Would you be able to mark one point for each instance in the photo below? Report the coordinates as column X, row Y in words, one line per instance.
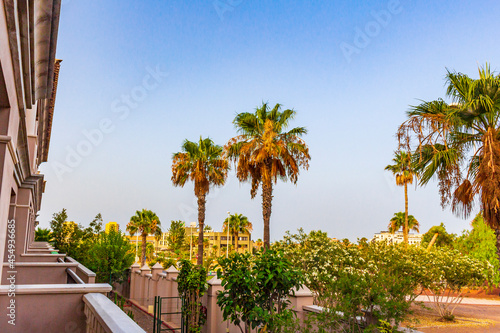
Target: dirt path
column 491, row 312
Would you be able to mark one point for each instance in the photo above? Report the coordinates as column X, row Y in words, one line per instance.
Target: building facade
column 397, row 237
column 111, row 226
column 41, row 290
column 215, row 241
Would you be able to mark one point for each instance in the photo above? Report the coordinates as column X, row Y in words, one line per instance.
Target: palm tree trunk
column 405, row 226
column 236, row 241
column 267, row 197
column 143, row 254
column 201, row 223
column 497, row 234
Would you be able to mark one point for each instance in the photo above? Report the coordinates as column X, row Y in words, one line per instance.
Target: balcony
column 50, row 292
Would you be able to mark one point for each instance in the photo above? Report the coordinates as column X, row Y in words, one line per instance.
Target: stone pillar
column 155, row 281
column 172, row 273
column 145, row 270
column 171, row 291
column 215, row 322
column 302, row 297
column 133, row 280
column 22, row 217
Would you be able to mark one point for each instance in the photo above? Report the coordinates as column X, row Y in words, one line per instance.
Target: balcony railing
column 103, row 316
column 56, row 292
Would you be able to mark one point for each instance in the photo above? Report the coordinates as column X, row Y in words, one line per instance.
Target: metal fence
column 167, row 315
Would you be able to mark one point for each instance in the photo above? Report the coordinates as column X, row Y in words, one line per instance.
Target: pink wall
column 164, row 283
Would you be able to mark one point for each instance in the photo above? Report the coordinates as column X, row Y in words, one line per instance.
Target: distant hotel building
column 397, row 237
column 217, row 241
column 111, row 226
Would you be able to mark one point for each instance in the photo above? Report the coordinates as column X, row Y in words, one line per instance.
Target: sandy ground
column 469, row 316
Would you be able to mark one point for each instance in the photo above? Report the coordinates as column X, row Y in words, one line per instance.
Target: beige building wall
column 397, row 237
column 217, row 241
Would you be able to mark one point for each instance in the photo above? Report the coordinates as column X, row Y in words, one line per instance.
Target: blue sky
column 137, row 78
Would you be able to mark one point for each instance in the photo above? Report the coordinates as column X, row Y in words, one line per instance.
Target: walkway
column 465, row 301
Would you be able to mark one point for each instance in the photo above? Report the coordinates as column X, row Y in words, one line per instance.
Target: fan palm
column 144, row 222
column 43, row 235
column 203, row 164
column 398, row 221
column 238, row 223
column 264, row 152
column 403, row 170
column 459, row 142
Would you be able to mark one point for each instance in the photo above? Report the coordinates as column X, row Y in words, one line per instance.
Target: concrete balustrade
column 32, row 257
column 38, row 307
column 103, row 316
column 32, row 272
column 146, row 283
column 145, row 274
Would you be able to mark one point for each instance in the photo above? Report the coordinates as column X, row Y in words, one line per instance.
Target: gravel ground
column 489, row 312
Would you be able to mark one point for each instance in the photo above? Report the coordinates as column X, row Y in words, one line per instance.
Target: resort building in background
column 111, row 226
column 40, row 289
column 397, row 237
column 216, row 240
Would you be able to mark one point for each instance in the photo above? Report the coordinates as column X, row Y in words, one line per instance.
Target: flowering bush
column 361, row 285
column 448, row 272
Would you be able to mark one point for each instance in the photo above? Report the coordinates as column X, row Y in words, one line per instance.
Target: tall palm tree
column 404, row 171
column 238, row 223
column 144, row 222
column 460, row 143
column 398, row 221
column 203, row 164
column 264, row 152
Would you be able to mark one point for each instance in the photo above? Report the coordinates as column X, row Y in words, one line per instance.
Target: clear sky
column 139, row 77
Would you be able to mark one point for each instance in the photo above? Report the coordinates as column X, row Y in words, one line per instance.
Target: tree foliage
column 192, row 285
column 459, row 142
column 256, row 289
column 404, row 171
column 176, row 235
column 110, row 256
column 375, row 281
column 237, row 223
column 264, row 152
column 398, row 221
column 202, row 163
column 444, row 239
column 479, row 243
column 145, row 222
column 43, row 235
column 72, row 238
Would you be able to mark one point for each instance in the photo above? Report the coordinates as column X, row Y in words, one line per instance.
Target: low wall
column 47, row 308
column 146, row 283
column 103, row 316
column 39, row 272
column 83, row 272
column 30, row 257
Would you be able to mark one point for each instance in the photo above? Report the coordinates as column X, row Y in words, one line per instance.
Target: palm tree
column 238, row 223
column 203, row 164
column 43, row 235
column 145, row 223
column 258, row 244
column 460, row 143
column 398, row 221
column 264, row 152
column 403, row 169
